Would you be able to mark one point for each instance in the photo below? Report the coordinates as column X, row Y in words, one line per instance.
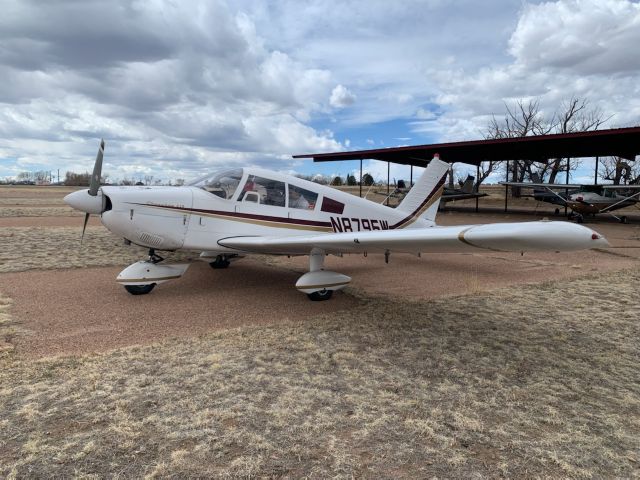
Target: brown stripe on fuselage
column 264, row 220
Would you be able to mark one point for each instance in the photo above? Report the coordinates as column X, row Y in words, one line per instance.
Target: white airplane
column 240, row 211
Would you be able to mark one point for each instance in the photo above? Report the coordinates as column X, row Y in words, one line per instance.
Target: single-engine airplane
column 465, row 192
column 240, row 211
column 449, row 193
column 584, row 199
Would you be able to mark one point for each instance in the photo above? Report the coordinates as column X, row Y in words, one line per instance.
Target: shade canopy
column 622, row 142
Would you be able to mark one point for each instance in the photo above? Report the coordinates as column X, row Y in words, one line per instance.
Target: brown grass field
column 490, row 377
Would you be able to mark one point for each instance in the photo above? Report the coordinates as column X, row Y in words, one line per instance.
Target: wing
column 461, row 196
column 552, row 186
column 620, row 187
column 519, row 237
column 563, row 186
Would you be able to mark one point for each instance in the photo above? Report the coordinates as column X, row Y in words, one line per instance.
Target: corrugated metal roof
column 622, row 142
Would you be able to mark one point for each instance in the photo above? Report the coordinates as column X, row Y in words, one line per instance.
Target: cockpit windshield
column 223, row 184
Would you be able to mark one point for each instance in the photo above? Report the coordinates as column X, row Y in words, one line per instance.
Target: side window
column 302, row 198
column 263, row 190
column 332, row 206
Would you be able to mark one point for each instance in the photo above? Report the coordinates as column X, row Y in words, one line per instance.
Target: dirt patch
column 85, row 310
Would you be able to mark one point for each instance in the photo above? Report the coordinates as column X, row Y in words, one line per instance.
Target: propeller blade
column 94, row 185
column 84, row 227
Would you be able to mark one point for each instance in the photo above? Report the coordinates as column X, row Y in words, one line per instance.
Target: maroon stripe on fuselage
column 266, row 218
column 426, row 200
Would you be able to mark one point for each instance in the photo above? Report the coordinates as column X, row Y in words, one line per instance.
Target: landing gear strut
column 142, row 277
column 318, row 283
column 154, row 257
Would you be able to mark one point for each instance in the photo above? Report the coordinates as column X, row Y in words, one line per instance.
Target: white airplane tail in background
column 423, row 199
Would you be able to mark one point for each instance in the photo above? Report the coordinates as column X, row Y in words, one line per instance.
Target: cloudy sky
column 179, row 88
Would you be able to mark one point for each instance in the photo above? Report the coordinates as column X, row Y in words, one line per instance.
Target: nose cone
column 81, row 200
column 571, row 236
column 598, row 241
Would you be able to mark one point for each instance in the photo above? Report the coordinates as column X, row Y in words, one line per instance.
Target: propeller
column 94, row 183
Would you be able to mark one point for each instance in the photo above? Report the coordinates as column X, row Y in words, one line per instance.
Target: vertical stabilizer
column 423, row 199
column 467, row 186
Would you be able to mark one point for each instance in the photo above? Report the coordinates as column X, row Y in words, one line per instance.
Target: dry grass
column 529, row 382
column 25, row 248
column 40, row 211
column 8, row 329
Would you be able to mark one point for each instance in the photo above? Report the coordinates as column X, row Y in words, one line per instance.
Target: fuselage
column 261, row 203
column 592, row 202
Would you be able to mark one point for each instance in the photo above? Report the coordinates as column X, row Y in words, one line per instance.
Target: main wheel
column 139, row 289
column 321, row 295
column 220, row 262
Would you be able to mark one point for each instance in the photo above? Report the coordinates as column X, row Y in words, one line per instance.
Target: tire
column 139, row 289
column 220, row 262
column 557, row 211
column 320, row 296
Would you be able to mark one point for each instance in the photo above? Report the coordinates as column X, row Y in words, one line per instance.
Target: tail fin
column 467, row 186
column 423, row 199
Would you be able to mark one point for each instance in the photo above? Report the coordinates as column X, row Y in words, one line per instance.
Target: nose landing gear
column 141, row 277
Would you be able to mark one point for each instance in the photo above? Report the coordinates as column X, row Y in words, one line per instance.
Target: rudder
column 423, row 199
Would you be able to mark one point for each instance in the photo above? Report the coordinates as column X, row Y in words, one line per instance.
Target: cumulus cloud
column 341, row 97
column 558, row 50
column 187, row 86
column 186, row 79
column 584, row 37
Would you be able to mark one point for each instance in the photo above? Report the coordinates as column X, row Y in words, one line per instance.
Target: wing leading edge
column 504, row 237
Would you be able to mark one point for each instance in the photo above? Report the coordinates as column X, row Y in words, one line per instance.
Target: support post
column 477, row 190
column 411, row 178
column 506, row 188
column 388, row 180
column 566, row 191
column 595, row 180
column 360, row 178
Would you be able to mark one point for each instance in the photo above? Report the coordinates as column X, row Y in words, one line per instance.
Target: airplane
column 238, row 211
column 584, row 199
column 449, row 193
column 465, row 191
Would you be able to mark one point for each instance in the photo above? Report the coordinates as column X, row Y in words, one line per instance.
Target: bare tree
column 619, row 171
column 574, row 116
column 77, row 179
column 526, row 119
